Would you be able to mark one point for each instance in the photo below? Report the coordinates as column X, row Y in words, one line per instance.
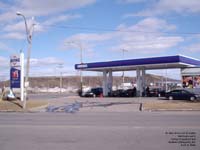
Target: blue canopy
column 166, row 62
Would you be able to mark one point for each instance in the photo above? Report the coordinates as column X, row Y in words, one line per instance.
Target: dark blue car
column 94, row 92
column 181, row 94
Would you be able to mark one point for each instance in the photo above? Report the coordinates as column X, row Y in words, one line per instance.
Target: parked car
column 129, row 93
column 94, row 92
column 181, row 94
column 116, row 93
column 123, row 93
column 81, row 92
column 156, row 92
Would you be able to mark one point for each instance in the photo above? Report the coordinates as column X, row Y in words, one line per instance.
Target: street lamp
column 81, row 60
column 60, row 66
column 29, row 39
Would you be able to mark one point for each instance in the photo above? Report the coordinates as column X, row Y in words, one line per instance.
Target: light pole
column 81, row 60
column 166, row 86
column 29, row 39
column 60, row 66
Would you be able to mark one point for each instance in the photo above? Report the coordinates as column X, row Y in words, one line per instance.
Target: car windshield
column 96, row 90
column 176, row 91
column 186, row 92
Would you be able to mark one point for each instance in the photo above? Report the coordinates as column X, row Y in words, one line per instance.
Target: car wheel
column 159, row 95
column 94, row 95
column 192, row 98
column 171, row 98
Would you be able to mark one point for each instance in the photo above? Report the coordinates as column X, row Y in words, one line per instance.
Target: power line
column 118, row 30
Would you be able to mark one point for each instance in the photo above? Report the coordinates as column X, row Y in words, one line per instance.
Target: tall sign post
column 17, row 73
column 29, row 33
column 22, row 76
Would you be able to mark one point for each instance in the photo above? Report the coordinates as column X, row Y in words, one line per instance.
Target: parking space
column 108, row 104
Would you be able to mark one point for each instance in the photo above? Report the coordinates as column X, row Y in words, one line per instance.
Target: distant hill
column 92, row 81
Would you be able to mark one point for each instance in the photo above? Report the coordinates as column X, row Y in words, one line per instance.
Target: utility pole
column 60, row 66
column 29, row 33
column 166, row 86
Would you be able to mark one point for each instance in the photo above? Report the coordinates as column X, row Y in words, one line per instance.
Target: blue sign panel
column 15, row 77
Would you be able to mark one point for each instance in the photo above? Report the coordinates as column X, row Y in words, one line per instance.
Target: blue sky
column 144, row 28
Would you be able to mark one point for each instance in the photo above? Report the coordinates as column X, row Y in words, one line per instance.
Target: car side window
column 185, row 92
column 175, row 92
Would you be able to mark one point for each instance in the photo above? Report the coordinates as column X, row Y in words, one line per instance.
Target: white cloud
column 145, row 37
column 4, row 47
column 39, row 67
column 17, row 30
column 149, row 24
column 50, row 66
column 86, row 41
column 149, row 44
column 20, row 26
column 192, row 6
column 60, row 18
column 41, row 27
column 4, row 6
column 4, row 62
column 194, row 48
column 169, row 73
column 40, row 7
column 51, row 9
column 45, row 61
column 90, row 37
column 167, row 6
column 131, row 1
column 4, row 68
column 7, row 16
column 53, row 71
column 14, row 35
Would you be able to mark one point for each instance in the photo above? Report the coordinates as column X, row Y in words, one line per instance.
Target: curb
column 170, row 109
column 36, row 109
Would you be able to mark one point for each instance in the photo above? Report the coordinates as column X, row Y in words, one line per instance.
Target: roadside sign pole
column 22, row 76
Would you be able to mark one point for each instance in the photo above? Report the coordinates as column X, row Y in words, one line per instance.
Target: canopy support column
column 105, row 83
column 138, row 82
column 143, row 82
column 110, row 81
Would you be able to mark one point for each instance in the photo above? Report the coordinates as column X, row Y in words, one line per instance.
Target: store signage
column 15, row 71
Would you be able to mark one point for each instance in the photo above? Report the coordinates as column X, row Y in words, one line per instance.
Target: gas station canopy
column 166, row 62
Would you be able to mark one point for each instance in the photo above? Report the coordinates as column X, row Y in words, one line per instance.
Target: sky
column 102, row 28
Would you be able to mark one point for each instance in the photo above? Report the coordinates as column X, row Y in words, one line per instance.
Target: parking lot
column 120, row 104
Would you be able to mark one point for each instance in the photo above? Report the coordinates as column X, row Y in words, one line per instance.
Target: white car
column 9, row 95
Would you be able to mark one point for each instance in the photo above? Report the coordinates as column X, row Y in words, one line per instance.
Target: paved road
column 100, row 131
column 50, row 96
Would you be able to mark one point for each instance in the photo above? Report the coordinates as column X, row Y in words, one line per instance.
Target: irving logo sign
column 15, row 61
column 15, row 71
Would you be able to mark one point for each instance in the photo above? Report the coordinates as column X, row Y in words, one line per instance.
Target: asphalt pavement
column 50, row 96
column 105, row 130
column 102, row 123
